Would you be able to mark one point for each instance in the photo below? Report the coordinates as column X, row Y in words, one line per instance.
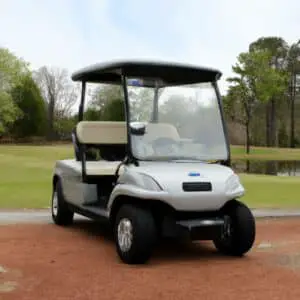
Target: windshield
column 175, row 122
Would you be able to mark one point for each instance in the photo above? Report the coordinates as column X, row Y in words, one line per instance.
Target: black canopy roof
column 168, row 72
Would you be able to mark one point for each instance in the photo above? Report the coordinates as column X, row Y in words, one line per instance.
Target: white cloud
column 194, row 31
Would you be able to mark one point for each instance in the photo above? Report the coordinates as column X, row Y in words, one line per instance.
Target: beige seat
column 98, row 168
column 115, row 133
column 158, row 130
column 101, row 133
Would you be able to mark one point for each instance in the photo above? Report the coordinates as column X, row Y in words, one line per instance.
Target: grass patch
column 265, row 191
column 26, row 174
column 263, row 153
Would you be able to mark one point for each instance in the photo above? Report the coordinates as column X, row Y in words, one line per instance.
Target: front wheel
column 135, row 234
column 238, row 233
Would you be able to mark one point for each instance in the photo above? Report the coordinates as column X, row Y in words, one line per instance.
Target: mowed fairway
column 265, row 191
column 264, row 153
column 26, row 173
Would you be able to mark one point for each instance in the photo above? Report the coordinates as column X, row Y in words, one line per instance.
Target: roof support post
column 130, row 157
column 82, row 100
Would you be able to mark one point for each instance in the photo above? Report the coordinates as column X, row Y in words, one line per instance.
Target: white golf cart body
column 186, row 189
column 161, row 181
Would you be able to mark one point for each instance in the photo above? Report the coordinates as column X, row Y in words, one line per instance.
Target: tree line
column 33, row 103
column 263, row 94
column 261, row 104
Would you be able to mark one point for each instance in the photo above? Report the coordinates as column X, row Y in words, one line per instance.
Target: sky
column 74, row 33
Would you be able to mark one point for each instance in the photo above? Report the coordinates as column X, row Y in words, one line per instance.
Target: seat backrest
column 101, row 133
column 157, row 130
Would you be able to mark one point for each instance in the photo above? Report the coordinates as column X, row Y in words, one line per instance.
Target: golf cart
column 164, row 171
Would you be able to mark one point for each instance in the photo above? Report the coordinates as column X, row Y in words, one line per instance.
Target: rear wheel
column 61, row 214
column 135, row 234
column 238, row 233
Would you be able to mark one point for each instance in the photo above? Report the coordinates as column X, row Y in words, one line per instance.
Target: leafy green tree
column 107, row 104
column 64, row 126
column 256, row 82
column 27, row 96
column 293, row 65
column 9, row 112
column 12, row 69
column 141, row 103
column 92, row 114
column 113, row 110
column 239, row 105
column 175, row 111
column 105, row 93
column 277, row 48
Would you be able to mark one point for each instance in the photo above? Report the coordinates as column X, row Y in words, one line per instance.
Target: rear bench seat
column 96, row 133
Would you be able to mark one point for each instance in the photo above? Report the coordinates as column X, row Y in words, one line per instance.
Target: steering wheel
column 164, row 144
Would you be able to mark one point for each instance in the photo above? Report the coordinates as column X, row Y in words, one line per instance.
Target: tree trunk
column 248, row 166
column 292, row 129
column 273, row 123
column 268, row 130
column 248, row 137
column 51, row 120
column 271, row 168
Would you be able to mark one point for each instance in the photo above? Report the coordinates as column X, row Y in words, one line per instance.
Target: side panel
column 75, row 191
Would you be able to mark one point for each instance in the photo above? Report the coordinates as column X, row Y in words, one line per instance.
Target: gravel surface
column 43, row 215
column 44, row 261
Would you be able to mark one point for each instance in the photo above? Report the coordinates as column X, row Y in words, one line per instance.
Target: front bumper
column 193, row 229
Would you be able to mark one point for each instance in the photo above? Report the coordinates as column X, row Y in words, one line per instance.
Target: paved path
column 27, row 216
column 43, row 216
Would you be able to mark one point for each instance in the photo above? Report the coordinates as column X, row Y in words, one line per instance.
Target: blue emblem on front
column 194, row 174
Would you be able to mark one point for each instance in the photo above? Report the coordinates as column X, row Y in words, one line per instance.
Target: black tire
column 63, row 216
column 144, row 235
column 243, row 231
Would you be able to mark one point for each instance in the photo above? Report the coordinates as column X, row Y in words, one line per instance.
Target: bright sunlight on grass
column 26, row 173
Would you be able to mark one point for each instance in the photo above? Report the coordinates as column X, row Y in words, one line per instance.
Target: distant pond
column 276, row 168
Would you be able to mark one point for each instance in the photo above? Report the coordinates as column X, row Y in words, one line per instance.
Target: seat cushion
column 99, row 168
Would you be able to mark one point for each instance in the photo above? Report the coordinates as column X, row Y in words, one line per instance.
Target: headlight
column 233, row 183
column 148, row 183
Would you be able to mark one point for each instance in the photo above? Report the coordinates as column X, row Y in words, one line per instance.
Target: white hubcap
column 125, row 234
column 55, row 203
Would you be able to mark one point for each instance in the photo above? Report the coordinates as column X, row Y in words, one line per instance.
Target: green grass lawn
column 263, row 153
column 26, row 173
column 265, row 191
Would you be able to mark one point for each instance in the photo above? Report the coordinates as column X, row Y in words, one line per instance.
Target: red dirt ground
column 48, row 262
